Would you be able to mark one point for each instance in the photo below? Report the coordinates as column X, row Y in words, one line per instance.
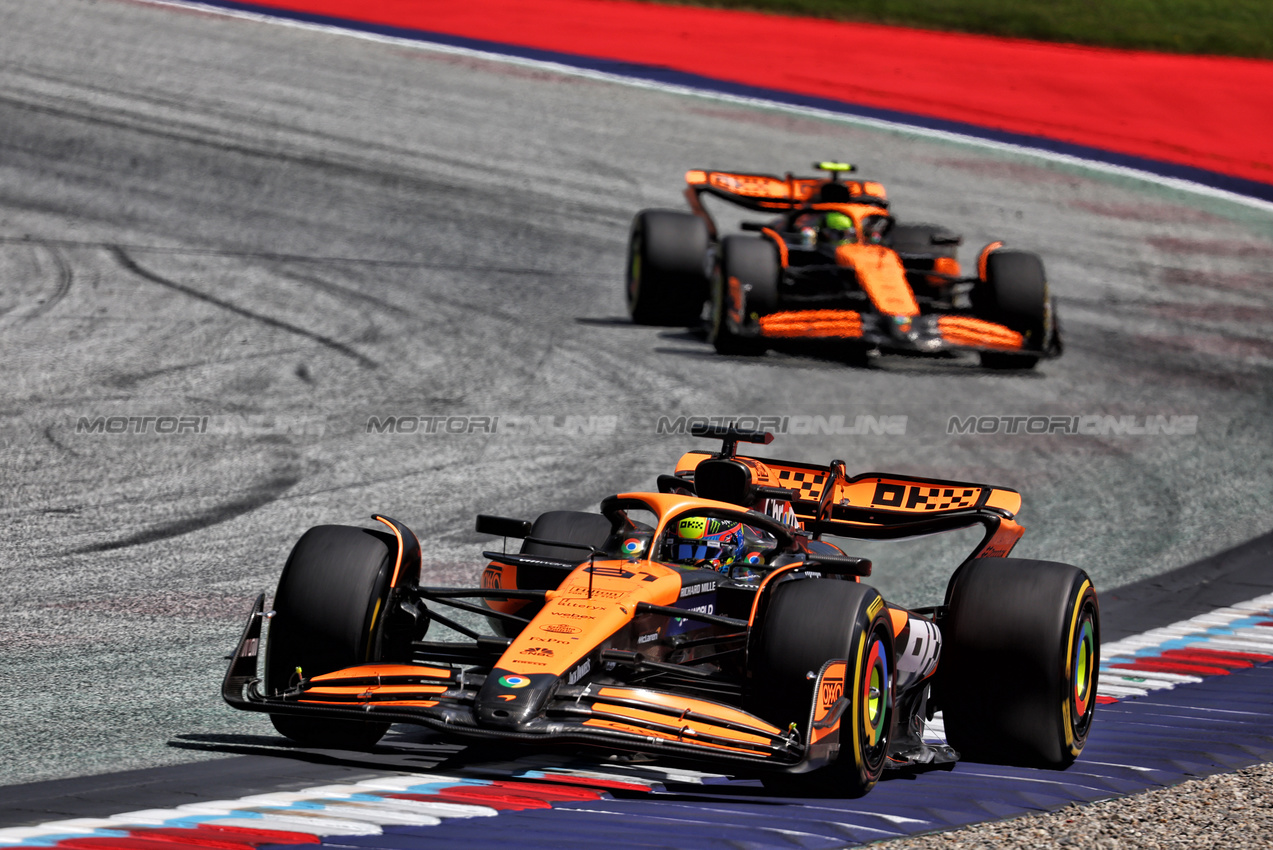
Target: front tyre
column 1018, row 677
column 809, row 622
column 1014, row 293
column 327, row 608
column 745, row 285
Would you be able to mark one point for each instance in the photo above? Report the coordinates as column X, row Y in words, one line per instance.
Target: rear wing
column 767, row 192
column 870, row 506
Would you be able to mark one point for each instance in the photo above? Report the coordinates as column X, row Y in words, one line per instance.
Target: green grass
column 1219, row 27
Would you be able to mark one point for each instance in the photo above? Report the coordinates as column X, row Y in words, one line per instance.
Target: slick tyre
column 666, row 281
column 329, row 598
column 807, row 623
column 1014, row 293
column 581, row 527
column 745, row 285
column 1018, row 673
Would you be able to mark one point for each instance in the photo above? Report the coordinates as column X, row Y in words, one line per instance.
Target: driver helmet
column 836, row 228
column 707, row 542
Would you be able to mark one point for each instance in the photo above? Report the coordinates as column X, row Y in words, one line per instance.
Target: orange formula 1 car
column 708, row 621
column 831, row 263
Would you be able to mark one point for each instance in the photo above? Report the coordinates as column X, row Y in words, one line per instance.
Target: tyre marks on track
column 257, row 497
column 65, row 275
column 40, row 280
column 126, row 260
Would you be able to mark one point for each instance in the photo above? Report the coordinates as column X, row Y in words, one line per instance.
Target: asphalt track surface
column 1206, row 118
column 289, row 232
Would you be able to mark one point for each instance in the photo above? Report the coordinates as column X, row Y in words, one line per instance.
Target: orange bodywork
column 831, row 689
column 735, row 299
column 879, row 271
column 843, row 324
column 599, row 598
column 978, row 333
column 402, row 684
column 683, row 704
column 881, row 494
column 689, row 728
column 985, row 255
column 764, row 186
column 502, row 576
column 382, row 671
column 943, row 266
column 1000, row 546
column 636, row 729
column 904, row 495
column 397, row 564
column 782, row 246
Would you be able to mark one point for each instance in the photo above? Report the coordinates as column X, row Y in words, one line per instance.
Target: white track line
column 763, row 103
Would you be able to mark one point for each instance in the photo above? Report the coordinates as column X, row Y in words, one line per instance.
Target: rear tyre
column 745, row 285
column 568, row 527
column 1014, row 293
column 809, row 622
column 329, row 598
column 666, row 280
column 1018, row 675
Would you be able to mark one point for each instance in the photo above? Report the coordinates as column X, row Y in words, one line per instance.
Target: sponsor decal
column 609, row 571
column 647, row 638
column 701, row 609
column 914, row 497
column 579, row 672
column 632, row 547
column 557, row 641
column 538, row 650
column 491, row 577
column 830, row 692
column 578, row 603
column 514, row 681
column 923, row 645
column 561, row 629
column 582, row 590
column 696, row 588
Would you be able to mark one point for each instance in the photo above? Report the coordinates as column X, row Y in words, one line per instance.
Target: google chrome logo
column 514, row 681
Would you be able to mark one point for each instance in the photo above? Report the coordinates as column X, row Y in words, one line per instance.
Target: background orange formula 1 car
column 708, row 621
column 833, row 264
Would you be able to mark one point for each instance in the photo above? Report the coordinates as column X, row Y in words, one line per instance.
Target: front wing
column 924, row 334
column 441, row 697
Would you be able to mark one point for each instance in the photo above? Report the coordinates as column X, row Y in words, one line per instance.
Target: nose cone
column 508, row 700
